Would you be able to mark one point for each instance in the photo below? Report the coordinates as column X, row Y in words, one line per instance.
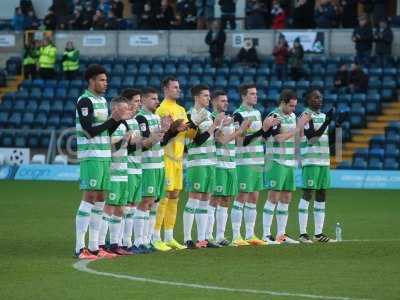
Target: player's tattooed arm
column 85, row 111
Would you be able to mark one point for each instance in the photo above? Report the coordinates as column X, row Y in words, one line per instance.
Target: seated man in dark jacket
column 342, row 77
column 363, row 37
column 358, row 80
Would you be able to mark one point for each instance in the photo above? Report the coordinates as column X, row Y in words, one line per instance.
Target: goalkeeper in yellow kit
column 173, row 159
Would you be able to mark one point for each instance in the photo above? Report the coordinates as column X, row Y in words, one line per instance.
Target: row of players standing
column 138, row 157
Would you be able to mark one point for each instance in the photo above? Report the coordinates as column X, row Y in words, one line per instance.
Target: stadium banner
column 16, row 156
column 7, row 171
column 94, row 40
column 312, row 41
column 48, row 172
column 7, row 40
column 143, row 40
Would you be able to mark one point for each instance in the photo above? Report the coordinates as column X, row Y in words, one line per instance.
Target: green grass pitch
column 37, row 241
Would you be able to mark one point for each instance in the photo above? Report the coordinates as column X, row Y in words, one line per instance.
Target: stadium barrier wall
column 174, row 42
column 349, row 179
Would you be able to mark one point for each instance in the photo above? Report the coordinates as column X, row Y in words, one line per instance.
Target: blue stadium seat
column 53, row 122
column 331, row 69
column 389, row 72
column 15, row 120
column 182, row 70
column 7, row 140
column 194, row 80
column 263, row 70
column 40, row 120
column 361, row 153
column 392, row 138
column 275, row 84
column 248, row 79
column 141, row 81
column 224, row 71
column 67, row 122
column 155, row 82
column 233, row 81
column 209, row 71
column 377, row 153
column 389, row 83
column 237, row 70
column 73, row 94
column 44, row 140
column 196, row 70
column 3, row 118
column 208, row 80
column 27, row 119
column 357, row 121
column 233, row 96
column 157, row 70
column 330, row 98
column 131, row 70
column 26, row 84
column 359, row 164
column 272, row 95
column 128, row 82
column 51, row 83
column 57, row 107
column 329, row 83
column 118, row 70
column 393, row 126
column 375, row 83
column 76, row 83
column 378, row 141
column 392, row 151
column 221, row 82
column 344, row 165
column 170, row 69
column 303, row 84
column 115, row 82
column 61, row 93
column 38, row 83
column 63, row 84
column 358, row 98
column 33, row 140
column 250, row 72
column 48, row 93
column 387, row 95
column 390, row 164
column 44, row 106
column 20, row 141
column 375, row 164
column 6, row 105
column 261, row 83
column 22, row 94
column 319, row 84
column 144, row 69
column 36, row 93
column 375, row 72
column 19, row 106
column 289, row 84
column 183, row 80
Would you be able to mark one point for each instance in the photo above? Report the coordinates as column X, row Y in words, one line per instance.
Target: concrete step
column 388, row 118
column 377, row 125
column 354, row 145
column 373, row 131
column 391, row 111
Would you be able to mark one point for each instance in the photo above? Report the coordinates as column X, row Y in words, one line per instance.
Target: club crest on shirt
column 92, row 182
column 112, row 196
column 142, row 127
column 219, row 188
column 310, row 182
column 85, row 111
column 150, row 189
column 196, row 186
column 242, row 186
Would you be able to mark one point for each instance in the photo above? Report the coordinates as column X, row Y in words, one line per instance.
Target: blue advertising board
column 48, row 172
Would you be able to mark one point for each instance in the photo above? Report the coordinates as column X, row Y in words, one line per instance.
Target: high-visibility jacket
column 70, row 60
column 47, row 57
column 30, row 56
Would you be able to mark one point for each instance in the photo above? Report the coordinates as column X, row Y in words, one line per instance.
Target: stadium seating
column 46, row 104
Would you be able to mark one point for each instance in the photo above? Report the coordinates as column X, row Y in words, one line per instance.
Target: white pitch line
column 82, row 266
column 362, row 241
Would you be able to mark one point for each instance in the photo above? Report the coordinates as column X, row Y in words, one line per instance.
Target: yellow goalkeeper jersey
column 174, row 149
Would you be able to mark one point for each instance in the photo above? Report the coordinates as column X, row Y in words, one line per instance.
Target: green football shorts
column 201, row 179
column 118, row 195
column 316, row 177
column 94, row 175
column 153, row 183
column 134, row 188
column 225, row 182
column 250, row 178
column 279, row 177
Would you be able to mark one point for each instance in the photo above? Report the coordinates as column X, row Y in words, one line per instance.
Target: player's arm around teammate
column 94, row 155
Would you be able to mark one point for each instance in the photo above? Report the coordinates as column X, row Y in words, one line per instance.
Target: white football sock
column 221, row 216
column 201, row 220
column 104, row 229
column 115, row 229
column 128, row 227
column 146, row 238
column 152, row 221
column 210, row 222
column 250, row 215
column 236, row 218
column 138, row 227
column 82, row 220
column 268, row 215
column 94, row 226
column 303, row 215
column 188, row 218
column 281, row 217
column 319, row 216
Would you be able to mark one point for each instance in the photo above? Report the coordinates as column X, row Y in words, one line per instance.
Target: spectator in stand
column 363, row 37
column 349, row 13
column 118, row 8
column 31, row 54
column 77, row 5
column 70, row 61
column 281, row 53
column 325, row 15
column 47, row 59
column 26, row 6
column 215, row 39
column 104, row 6
column 31, row 22
column 18, row 21
column 228, row 12
column 205, row 12
column 256, row 14
column 303, row 15
column 278, row 16
column 61, row 11
column 87, row 16
column 50, row 20
column 379, row 11
column 358, row 80
column 76, row 22
column 186, row 14
column 383, row 38
column 342, row 78
column 165, row 16
column 148, row 18
column 296, row 56
column 137, row 10
column 247, row 55
column 99, row 20
column 111, row 23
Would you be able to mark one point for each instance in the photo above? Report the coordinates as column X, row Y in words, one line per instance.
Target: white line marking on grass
column 82, row 266
column 362, row 241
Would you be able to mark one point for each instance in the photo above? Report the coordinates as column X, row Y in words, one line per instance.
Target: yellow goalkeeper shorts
column 173, row 175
